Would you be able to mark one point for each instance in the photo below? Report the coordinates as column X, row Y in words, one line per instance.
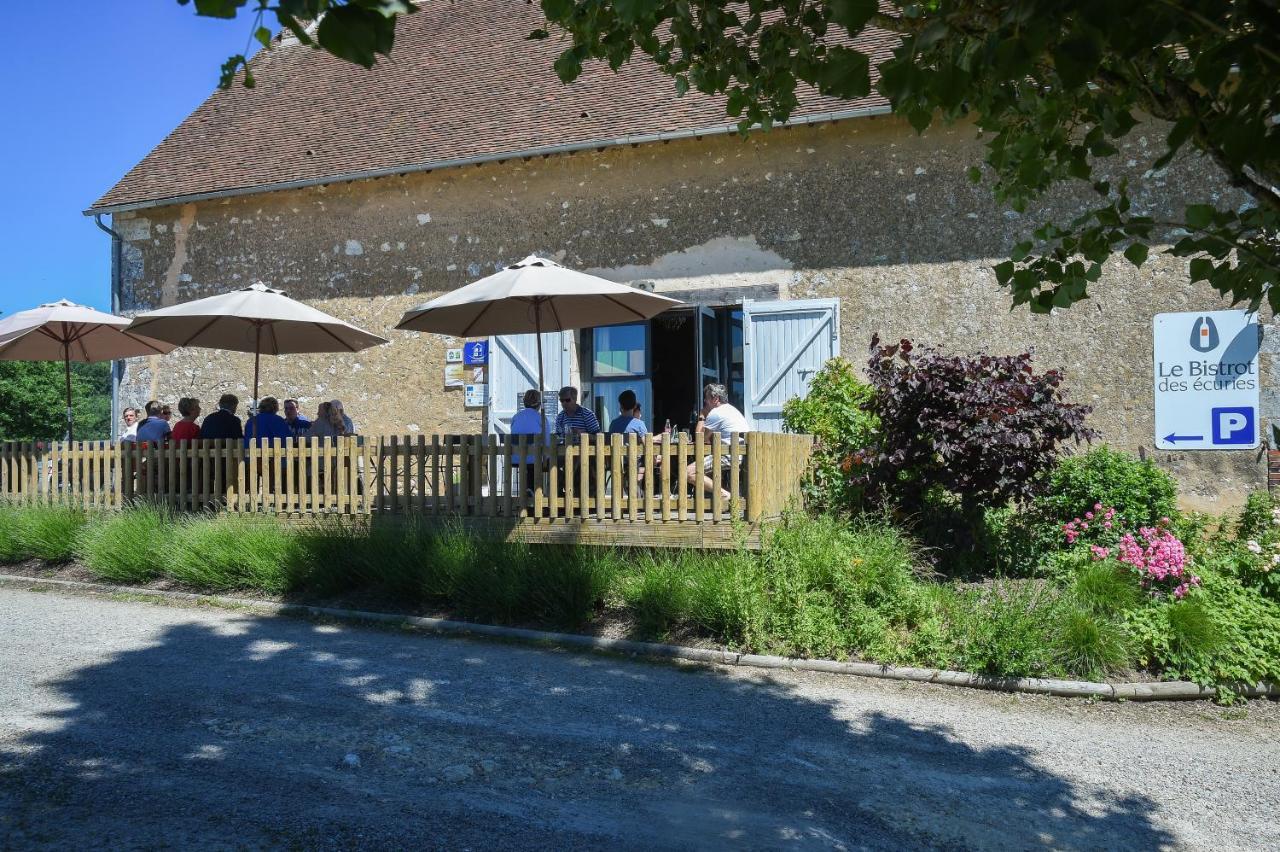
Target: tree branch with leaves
column 1052, row 84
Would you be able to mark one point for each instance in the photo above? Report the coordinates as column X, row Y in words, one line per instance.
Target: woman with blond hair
column 331, row 422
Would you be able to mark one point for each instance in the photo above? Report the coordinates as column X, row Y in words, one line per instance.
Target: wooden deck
column 597, row 490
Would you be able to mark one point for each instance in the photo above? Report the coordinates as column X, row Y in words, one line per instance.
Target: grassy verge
column 821, row 587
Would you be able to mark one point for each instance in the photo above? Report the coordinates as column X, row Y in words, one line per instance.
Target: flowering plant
column 1262, row 564
column 1154, row 553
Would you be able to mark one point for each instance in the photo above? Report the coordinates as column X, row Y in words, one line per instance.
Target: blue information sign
column 475, row 353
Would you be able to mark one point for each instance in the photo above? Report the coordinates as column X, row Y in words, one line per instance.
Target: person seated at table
column 717, row 415
column 267, row 423
column 529, row 421
column 574, row 419
column 130, row 431
column 155, row 428
column 186, row 428
column 298, row 424
column 145, row 414
column 628, row 421
column 223, row 424
column 331, row 422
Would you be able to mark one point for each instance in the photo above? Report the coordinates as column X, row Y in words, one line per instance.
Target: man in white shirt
column 529, row 421
column 717, row 415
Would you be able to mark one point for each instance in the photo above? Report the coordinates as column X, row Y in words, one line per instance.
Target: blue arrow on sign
column 1173, row 439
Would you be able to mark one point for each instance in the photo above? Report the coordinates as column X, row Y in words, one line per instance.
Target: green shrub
column 1223, row 634
column 986, row 428
column 48, row 532
column 127, row 546
column 220, row 552
column 1256, row 519
column 837, row 588
column 1004, row 629
column 1138, row 490
column 835, row 410
column 1090, row 644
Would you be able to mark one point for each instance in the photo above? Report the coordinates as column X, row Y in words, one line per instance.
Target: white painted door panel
column 786, row 343
column 513, row 369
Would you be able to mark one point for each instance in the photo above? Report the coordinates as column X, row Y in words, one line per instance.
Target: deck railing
column 601, row 478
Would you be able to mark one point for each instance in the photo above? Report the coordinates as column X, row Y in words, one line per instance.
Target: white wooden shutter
column 785, row 343
column 513, row 369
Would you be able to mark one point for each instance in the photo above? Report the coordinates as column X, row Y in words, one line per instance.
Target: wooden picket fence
column 601, row 479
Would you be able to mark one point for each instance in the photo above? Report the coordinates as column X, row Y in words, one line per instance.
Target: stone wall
column 864, row 210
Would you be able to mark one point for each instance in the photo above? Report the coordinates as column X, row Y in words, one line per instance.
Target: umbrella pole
column 537, row 325
column 66, row 365
column 257, row 357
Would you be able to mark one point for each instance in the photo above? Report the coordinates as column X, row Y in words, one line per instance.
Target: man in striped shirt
column 574, row 420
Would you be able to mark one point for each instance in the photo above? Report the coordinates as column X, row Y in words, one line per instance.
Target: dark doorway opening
column 676, row 395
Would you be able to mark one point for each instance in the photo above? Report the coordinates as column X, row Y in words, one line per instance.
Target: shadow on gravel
column 236, row 731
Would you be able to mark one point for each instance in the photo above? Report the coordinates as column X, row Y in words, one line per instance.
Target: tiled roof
column 463, row 82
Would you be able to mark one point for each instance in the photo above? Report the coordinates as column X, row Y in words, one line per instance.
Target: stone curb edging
column 1157, row 691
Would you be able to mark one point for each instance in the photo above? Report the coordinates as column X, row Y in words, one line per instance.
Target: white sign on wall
column 475, row 396
column 1206, row 380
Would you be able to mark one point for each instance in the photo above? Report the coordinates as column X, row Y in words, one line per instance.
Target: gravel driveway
column 126, row 725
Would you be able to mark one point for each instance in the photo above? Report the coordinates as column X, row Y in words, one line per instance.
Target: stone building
column 366, row 193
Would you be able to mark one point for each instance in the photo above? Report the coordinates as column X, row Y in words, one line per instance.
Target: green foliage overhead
column 34, row 395
column 355, row 30
column 1053, row 84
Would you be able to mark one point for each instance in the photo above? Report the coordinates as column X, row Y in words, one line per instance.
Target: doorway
column 676, row 394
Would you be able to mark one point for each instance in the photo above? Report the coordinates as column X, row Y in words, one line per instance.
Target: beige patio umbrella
column 254, row 319
column 533, row 296
column 64, row 331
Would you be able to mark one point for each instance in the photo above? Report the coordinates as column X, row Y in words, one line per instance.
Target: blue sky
column 90, row 89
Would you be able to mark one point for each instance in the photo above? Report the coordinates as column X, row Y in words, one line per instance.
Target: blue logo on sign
column 1233, row 425
column 476, row 353
column 1204, row 335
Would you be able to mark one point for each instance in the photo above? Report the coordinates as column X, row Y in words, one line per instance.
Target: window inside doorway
column 620, row 350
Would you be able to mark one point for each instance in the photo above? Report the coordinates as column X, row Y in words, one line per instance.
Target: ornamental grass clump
column 224, row 552
column 128, row 546
column 47, row 532
column 10, row 547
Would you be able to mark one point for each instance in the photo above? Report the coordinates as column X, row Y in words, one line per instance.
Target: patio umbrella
column 254, row 319
column 534, row 295
column 64, row 331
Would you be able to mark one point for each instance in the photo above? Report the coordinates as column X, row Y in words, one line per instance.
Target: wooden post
column 539, row 458
column 421, row 471
column 436, row 504
column 464, row 478
column 652, row 479
column 753, row 476
column 507, row 471
column 586, row 462
column 615, row 478
column 735, row 475
column 633, row 480
column 717, row 476
column 700, row 492
column 553, row 479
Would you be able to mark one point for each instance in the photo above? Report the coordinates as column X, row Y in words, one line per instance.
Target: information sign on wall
column 476, row 352
column 1206, row 380
column 475, row 396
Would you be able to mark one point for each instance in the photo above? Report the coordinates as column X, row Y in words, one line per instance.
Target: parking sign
column 1206, row 380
